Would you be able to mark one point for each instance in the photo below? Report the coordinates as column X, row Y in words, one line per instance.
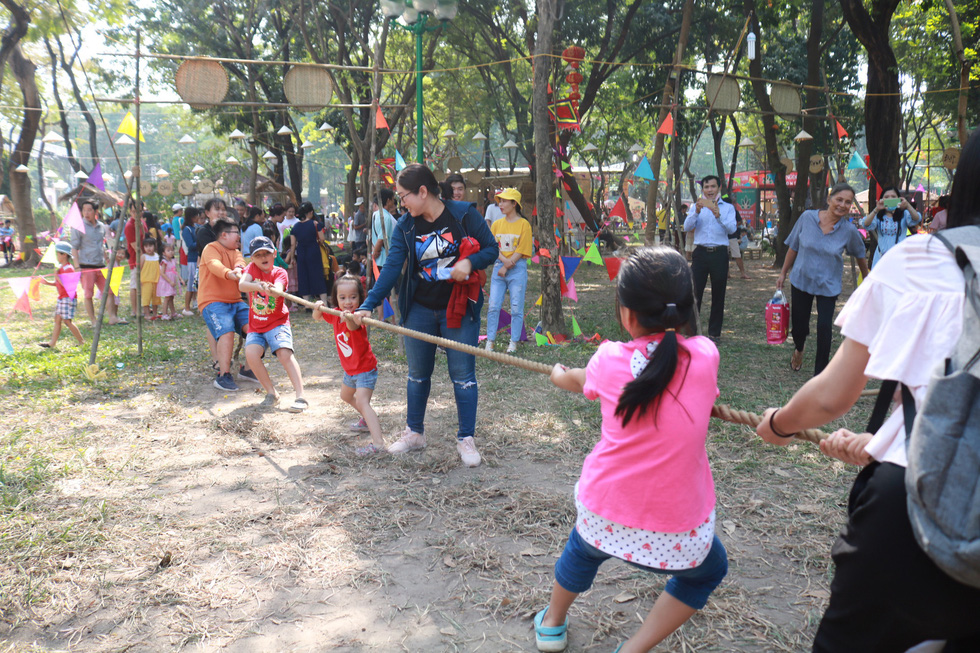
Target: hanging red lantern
column 574, row 77
column 575, row 96
column 573, row 55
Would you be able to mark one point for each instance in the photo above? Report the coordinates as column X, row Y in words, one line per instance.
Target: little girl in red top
column 646, row 495
column 357, row 359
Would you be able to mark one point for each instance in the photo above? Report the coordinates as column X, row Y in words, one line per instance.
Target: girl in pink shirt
column 646, row 494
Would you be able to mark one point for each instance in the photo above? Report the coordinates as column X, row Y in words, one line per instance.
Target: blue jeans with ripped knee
column 421, row 361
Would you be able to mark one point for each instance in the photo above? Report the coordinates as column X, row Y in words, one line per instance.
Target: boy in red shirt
column 268, row 323
column 65, row 309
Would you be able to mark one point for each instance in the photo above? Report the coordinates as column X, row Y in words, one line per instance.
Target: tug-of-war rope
column 720, row 411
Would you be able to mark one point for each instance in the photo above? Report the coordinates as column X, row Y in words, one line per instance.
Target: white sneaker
column 467, row 452
column 512, row 347
column 489, row 345
column 409, row 441
column 187, row 313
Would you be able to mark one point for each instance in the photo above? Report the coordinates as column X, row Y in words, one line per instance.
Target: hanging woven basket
column 723, row 94
column 785, row 98
column 307, row 88
column 202, row 84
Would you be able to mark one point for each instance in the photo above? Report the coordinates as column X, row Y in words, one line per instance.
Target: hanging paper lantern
column 573, row 55
column 574, row 77
column 575, row 96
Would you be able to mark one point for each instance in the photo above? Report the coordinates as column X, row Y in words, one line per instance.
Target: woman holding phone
column 890, row 221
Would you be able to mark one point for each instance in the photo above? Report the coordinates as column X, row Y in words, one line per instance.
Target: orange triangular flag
column 377, row 272
column 667, row 126
column 35, row 289
column 618, row 211
column 380, row 122
column 841, row 132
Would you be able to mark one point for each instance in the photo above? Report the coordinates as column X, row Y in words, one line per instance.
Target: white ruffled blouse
column 909, row 314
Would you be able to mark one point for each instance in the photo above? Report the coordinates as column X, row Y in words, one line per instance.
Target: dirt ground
column 189, row 519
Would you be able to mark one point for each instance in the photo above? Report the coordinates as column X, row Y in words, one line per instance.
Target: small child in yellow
column 513, row 234
column 64, row 311
column 149, row 276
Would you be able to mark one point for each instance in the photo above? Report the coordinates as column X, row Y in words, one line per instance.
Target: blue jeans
column 579, row 562
column 515, row 283
column 421, row 357
column 225, row 317
column 367, row 379
column 280, row 337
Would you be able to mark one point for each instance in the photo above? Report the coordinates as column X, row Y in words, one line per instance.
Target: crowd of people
column 645, row 494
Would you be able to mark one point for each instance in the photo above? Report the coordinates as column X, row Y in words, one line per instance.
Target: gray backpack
column 943, row 475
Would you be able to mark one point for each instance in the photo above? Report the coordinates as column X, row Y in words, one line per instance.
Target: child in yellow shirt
column 149, row 276
column 513, row 234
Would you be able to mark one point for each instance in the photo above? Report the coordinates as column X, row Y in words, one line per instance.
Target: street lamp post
column 415, row 19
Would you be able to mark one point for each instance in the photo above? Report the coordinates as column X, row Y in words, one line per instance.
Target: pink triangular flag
column 535, row 259
column 95, row 178
column 73, row 220
column 19, row 285
column 70, row 281
column 571, row 293
column 920, row 189
column 24, row 305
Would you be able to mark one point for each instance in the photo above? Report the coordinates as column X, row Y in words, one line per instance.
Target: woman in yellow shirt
column 513, row 234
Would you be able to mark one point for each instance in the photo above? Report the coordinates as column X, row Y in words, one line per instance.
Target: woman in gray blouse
column 815, row 255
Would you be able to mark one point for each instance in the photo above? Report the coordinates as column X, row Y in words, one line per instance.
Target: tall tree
column 871, row 24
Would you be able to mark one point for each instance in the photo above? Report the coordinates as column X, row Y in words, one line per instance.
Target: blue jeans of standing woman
column 515, row 283
column 421, row 357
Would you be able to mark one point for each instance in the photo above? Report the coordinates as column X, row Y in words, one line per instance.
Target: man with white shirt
column 711, row 219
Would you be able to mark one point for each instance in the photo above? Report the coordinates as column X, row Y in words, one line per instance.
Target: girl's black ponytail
column 656, row 284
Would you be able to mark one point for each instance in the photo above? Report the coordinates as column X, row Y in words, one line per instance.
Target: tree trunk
column 544, row 223
column 805, row 148
column 23, row 70
column 93, row 130
column 671, row 86
column 772, row 147
column 882, row 104
column 958, row 50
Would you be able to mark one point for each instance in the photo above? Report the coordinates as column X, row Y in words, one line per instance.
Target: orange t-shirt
column 213, row 284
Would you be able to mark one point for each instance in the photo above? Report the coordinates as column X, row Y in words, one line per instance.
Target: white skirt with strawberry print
column 667, row 551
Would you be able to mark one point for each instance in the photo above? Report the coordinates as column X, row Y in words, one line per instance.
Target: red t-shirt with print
column 64, row 269
column 353, row 347
column 266, row 312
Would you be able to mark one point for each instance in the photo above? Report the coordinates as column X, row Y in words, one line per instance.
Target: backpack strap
column 908, row 408
column 884, row 400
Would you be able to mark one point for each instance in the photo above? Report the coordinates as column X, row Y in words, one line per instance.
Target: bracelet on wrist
column 772, row 426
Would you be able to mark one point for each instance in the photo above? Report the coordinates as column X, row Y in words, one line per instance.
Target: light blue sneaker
column 553, row 638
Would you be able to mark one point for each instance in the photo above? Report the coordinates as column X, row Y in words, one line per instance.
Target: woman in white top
column 887, row 594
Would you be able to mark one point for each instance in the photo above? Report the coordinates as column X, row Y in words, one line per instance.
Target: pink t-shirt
column 653, row 476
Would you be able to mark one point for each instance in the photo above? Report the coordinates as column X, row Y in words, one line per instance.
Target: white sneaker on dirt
column 467, row 452
column 512, row 347
column 409, row 441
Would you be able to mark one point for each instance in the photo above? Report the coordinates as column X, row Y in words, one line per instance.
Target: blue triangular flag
column 5, row 346
column 571, row 264
column 399, row 161
column 386, row 310
column 644, row 171
column 856, row 162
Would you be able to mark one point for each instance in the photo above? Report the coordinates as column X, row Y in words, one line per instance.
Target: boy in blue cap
column 65, row 309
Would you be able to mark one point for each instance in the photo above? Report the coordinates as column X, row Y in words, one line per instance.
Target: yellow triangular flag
column 538, row 303
column 128, row 127
column 551, row 338
column 50, row 256
column 116, row 281
column 576, row 331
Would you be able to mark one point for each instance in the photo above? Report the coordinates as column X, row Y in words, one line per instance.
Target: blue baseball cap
column 260, row 243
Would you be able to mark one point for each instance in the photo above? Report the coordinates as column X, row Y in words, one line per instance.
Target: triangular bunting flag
column 34, row 291
column 23, row 304
column 73, row 220
column 386, row 310
column 920, row 189
column 644, row 171
column 538, row 303
column 539, row 339
column 19, row 285
column 374, row 268
column 70, row 282
column 856, row 162
column 380, row 122
column 592, row 255
column 128, row 127
column 550, row 338
column 612, row 266
column 5, row 346
column 399, row 161
column 503, row 321
column 618, row 211
column 667, row 126
column 50, row 256
column 576, row 331
column 841, row 132
column 95, row 178
column 570, row 264
column 570, row 292
column 116, row 281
